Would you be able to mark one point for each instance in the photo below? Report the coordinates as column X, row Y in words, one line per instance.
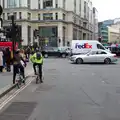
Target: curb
column 8, row 88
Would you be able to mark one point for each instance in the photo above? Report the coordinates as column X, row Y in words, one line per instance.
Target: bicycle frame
column 19, row 79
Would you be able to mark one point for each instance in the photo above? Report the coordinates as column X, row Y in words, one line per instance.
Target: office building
column 58, row 21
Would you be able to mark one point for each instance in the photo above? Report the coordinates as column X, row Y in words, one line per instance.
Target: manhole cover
column 18, row 111
column 44, row 87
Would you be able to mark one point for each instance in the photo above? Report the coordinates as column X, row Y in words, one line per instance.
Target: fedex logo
column 85, row 45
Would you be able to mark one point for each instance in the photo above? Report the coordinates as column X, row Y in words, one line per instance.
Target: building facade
column 103, row 30
column 58, row 21
column 113, row 35
column 95, row 24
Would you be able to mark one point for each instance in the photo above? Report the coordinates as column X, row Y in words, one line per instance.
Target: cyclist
column 17, row 65
column 37, row 60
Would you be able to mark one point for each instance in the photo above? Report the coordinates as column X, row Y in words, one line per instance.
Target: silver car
column 94, row 56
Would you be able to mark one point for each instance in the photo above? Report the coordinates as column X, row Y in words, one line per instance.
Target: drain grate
column 18, row 111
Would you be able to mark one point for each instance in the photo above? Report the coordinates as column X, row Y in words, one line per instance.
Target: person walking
column 1, row 61
column 8, row 59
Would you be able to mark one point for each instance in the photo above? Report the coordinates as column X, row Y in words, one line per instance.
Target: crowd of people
column 19, row 60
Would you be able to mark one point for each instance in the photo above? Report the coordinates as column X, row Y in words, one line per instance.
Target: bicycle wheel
column 37, row 79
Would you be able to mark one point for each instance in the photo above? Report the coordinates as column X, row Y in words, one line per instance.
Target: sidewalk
column 6, row 78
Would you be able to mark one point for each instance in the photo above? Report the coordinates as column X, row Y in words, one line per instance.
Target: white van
column 84, row 46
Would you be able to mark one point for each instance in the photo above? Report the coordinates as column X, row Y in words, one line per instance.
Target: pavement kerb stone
column 8, row 88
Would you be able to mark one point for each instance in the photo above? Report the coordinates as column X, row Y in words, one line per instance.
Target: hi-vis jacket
column 34, row 59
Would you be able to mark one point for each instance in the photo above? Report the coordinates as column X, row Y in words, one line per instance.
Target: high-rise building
column 58, row 21
column 103, row 29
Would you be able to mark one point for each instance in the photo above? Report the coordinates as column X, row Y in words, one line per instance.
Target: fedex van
column 84, row 46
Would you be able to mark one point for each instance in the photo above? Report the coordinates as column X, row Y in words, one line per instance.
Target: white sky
column 107, row 9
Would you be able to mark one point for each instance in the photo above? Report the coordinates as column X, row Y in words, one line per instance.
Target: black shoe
column 41, row 81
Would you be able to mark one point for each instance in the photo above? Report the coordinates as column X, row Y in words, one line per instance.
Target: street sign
column 1, row 10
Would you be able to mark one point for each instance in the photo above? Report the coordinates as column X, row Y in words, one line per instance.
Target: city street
column 69, row 92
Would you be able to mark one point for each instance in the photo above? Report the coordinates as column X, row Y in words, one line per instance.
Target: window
column 29, row 16
column 56, row 3
column 100, row 47
column 101, row 52
column 56, row 15
column 13, row 3
column 3, row 4
column 38, row 16
column 39, row 4
column 15, row 15
column 47, row 3
column 28, row 1
column 63, row 16
column 47, row 16
column 3, row 16
column 64, row 2
column 75, row 6
column 20, row 15
column 75, row 20
column 93, row 52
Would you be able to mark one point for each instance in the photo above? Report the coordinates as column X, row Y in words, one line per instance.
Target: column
column 24, row 34
column 60, row 34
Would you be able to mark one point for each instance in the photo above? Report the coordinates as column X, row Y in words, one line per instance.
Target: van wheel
column 79, row 61
column 107, row 61
column 46, row 55
column 63, row 56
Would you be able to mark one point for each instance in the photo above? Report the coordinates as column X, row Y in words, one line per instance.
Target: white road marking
column 14, row 95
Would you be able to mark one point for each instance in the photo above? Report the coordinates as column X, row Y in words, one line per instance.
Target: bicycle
column 38, row 75
column 19, row 79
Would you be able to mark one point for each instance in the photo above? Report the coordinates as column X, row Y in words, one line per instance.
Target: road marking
column 15, row 94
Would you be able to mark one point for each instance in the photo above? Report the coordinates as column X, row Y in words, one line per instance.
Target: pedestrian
column 4, row 59
column 1, row 61
column 8, row 59
column 28, row 51
column 22, row 53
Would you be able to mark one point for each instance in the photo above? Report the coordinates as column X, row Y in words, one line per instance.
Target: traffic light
column 100, row 39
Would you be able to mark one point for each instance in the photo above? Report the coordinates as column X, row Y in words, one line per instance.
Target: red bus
column 8, row 44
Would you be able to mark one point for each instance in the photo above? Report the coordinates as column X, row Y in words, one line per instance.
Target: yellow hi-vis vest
column 34, row 57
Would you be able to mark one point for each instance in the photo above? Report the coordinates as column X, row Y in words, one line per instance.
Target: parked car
column 53, row 51
column 94, row 56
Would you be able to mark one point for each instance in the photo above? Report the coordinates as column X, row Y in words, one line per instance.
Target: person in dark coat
column 8, row 59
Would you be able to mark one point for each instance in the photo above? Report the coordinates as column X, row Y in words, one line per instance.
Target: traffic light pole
column 13, row 34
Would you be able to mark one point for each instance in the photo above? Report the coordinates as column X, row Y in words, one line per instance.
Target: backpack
column 38, row 56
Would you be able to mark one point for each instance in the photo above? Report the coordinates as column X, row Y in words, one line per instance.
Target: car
column 53, row 51
column 94, row 56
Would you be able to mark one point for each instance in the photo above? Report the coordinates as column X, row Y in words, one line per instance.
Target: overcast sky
column 107, row 9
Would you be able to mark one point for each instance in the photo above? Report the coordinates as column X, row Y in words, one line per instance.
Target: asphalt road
column 70, row 92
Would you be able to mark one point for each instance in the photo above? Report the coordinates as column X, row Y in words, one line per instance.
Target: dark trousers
column 40, row 69
column 8, row 66
column 1, row 68
column 16, row 69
